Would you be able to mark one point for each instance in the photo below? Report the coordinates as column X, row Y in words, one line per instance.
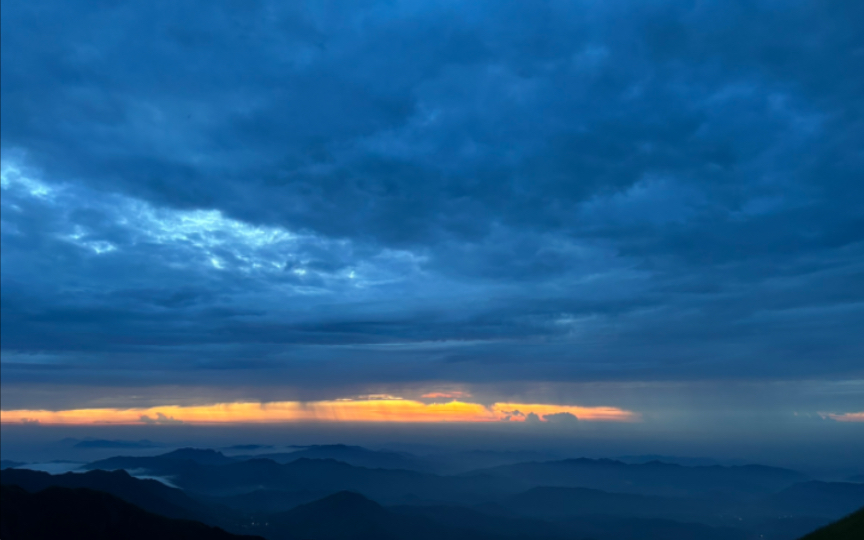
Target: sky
column 642, row 212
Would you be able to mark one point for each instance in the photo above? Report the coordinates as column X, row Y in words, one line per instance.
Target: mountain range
column 328, row 499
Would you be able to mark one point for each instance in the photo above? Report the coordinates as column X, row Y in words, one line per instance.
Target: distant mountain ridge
column 103, row 443
column 326, row 475
column 282, row 501
column 212, row 472
column 462, row 462
column 165, row 463
column 248, row 447
column 652, row 478
column 450, row 463
column 353, row 455
column 680, row 460
column 198, row 455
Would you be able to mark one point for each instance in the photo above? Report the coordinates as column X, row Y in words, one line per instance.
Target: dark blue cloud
column 421, row 191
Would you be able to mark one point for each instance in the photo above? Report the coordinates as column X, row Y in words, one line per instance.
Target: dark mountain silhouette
column 103, row 443
column 849, row 528
column 65, row 513
column 461, row 462
column 677, row 460
column 653, row 478
column 154, row 465
column 317, row 475
column 8, row 464
column 248, row 447
column 352, row 455
column 857, row 478
column 150, row 495
column 202, row 456
column 282, row 458
column 163, row 464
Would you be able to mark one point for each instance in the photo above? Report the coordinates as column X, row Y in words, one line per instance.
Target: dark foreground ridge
column 150, row 495
column 849, row 528
column 70, row 514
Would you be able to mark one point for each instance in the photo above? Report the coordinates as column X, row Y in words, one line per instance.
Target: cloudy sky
column 652, row 207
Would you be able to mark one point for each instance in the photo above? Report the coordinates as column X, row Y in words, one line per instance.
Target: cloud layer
column 329, row 196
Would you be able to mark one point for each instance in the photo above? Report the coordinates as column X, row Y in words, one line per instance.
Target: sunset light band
column 342, row 410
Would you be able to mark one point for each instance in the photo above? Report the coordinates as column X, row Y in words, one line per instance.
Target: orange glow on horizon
column 845, row 417
column 343, row 410
column 520, row 411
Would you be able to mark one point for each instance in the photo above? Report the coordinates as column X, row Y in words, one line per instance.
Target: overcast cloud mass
column 287, row 200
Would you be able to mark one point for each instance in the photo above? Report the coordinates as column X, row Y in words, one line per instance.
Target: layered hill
column 653, row 478
column 150, row 495
column 316, row 475
column 360, row 457
column 58, row 512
